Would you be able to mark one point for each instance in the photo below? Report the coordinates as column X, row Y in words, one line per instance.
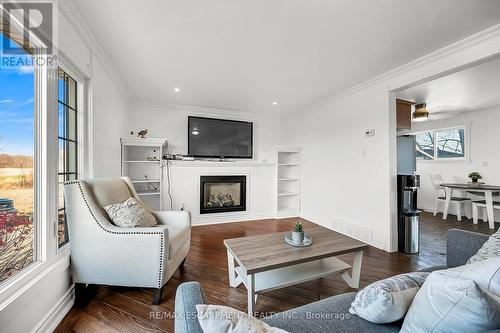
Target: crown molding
column 68, row 8
column 196, row 109
column 461, row 45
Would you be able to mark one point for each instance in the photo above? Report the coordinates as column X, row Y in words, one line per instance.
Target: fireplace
column 222, row 194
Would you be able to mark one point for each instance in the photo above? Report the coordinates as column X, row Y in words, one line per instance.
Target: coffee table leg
column 353, row 279
column 234, row 278
column 251, row 294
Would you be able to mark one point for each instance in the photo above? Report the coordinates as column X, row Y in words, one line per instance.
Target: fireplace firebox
column 222, row 194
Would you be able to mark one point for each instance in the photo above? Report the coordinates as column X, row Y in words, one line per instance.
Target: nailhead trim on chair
column 125, row 232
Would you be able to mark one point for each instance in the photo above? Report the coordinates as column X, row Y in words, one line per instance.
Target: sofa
column 329, row 314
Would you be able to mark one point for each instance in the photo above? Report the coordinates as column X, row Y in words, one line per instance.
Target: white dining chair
column 482, row 204
column 440, row 196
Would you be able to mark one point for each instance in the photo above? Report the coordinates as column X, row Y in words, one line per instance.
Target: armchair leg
column 157, row 296
column 81, row 296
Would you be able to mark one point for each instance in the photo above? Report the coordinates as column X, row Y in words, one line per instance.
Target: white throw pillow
column 386, row 301
column 130, row 214
column 223, row 319
column 489, row 249
column 461, row 299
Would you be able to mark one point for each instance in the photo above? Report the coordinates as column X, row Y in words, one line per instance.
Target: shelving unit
column 141, row 161
column 288, row 162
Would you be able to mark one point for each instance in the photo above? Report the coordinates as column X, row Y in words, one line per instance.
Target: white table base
column 291, row 275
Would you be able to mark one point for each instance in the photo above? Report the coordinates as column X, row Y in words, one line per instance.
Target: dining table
column 477, row 189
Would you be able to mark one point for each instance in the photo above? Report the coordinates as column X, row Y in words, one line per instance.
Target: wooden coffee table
column 265, row 262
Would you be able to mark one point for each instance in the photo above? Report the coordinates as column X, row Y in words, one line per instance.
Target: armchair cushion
column 130, row 214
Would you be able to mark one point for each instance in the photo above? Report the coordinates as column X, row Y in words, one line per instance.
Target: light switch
column 370, row 132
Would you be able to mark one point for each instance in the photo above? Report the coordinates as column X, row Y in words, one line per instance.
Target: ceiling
column 472, row 89
column 245, row 55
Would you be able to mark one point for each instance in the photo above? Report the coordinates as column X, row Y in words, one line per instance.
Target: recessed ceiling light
column 275, row 103
column 177, row 90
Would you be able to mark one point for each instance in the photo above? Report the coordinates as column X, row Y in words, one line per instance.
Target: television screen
column 219, row 138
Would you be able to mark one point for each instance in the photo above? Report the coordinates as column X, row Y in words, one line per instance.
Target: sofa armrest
column 187, row 296
column 461, row 245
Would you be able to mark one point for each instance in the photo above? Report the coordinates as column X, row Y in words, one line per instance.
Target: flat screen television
column 209, row 137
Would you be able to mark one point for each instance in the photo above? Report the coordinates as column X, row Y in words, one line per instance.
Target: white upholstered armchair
column 102, row 253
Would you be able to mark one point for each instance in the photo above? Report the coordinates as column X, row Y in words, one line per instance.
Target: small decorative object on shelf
column 142, row 133
column 475, row 176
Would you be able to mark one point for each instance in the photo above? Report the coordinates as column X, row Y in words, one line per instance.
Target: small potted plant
column 298, row 233
column 475, row 176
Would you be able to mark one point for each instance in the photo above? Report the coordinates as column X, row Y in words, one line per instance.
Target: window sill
column 445, row 161
column 26, row 280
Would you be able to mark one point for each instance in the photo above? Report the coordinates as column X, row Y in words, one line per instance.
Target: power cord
column 169, row 180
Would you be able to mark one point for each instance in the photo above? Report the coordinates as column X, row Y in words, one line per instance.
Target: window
column 17, row 169
column 441, row 144
column 68, row 144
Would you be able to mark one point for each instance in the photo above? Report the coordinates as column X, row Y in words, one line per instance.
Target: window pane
column 451, row 143
column 67, row 128
column 71, row 91
column 425, row 145
column 61, row 125
column 61, row 86
column 17, row 195
column 67, row 156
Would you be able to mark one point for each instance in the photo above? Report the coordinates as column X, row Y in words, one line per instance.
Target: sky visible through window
column 16, row 110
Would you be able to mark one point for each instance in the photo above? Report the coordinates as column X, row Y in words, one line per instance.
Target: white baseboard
column 229, row 219
column 57, row 313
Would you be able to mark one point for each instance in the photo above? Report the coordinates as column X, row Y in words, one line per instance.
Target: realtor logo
column 31, row 31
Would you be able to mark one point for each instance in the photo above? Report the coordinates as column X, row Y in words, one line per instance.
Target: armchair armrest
column 461, row 245
column 173, row 217
column 187, row 296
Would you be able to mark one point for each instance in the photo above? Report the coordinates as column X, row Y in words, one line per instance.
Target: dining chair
column 440, row 196
column 482, row 204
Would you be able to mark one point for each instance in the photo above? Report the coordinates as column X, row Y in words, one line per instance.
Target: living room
column 232, row 165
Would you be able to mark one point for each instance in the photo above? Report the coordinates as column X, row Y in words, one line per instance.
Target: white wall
column 345, row 175
column 483, row 137
column 171, row 122
column 110, row 109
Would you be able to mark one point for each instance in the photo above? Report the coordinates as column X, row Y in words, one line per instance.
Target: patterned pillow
column 386, row 301
column 489, row 249
column 223, row 319
column 130, row 214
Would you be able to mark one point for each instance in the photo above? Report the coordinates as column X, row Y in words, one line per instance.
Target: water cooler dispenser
column 408, row 215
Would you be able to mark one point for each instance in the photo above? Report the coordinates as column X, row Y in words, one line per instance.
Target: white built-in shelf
column 142, row 162
column 287, row 194
column 146, row 181
column 288, row 162
column 291, row 275
column 148, row 193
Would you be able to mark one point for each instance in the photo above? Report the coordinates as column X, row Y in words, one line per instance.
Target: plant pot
column 298, row 237
column 474, row 180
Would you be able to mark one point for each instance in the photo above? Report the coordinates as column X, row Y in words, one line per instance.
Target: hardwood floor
column 130, row 309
